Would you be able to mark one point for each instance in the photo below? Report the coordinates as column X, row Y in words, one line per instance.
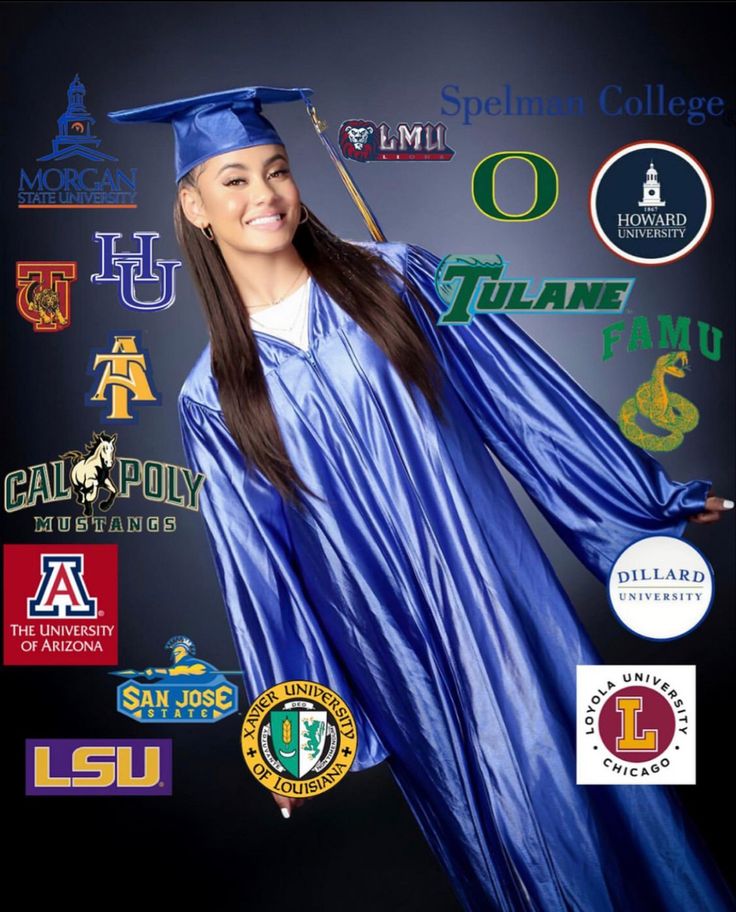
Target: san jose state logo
column 651, row 203
column 299, row 738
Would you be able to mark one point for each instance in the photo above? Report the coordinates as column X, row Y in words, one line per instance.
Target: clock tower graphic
column 651, row 189
column 75, row 136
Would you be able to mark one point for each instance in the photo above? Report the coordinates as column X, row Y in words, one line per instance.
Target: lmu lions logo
column 91, row 470
column 362, row 140
column 358, row 140
column 44, row 297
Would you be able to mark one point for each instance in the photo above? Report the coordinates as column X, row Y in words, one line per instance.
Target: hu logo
column 91, row 470
column 124, row 378
column 126, row 268
column 44, row 298
column 62, row 591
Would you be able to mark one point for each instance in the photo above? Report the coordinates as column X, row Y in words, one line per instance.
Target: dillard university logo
column 98, row 184
column 188, row 690
column 122, row 378
column 299, row 738
column 44, row 294
column 60, row 604
column 477, row 285
column 364, row 141
column 96, row 473
column 129, row 269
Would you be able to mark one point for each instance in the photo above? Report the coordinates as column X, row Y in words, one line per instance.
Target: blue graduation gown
column 417, row 591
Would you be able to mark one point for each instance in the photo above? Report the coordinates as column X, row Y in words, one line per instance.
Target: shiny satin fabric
column 417, row 591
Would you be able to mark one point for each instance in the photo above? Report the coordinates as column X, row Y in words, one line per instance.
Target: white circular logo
column 660, row 587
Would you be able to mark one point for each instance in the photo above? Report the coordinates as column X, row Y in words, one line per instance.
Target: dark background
column 356, row 847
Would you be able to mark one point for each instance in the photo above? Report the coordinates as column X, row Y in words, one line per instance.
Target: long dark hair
column 338, row 267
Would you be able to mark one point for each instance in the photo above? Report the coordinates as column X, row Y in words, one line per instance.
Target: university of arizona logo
column 62, row 591
column 129, row 268
column 44, row 294
column 66, row 187
column 122, row 378
column 188, row 690
column 362, row 141
column 60, row 604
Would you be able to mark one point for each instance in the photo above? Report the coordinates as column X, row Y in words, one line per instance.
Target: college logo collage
column 650, row 203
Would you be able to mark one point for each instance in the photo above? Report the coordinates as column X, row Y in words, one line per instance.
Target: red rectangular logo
column 60, row 604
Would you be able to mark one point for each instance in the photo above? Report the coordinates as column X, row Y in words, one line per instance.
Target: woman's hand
column 714, row 509
column 287, row 805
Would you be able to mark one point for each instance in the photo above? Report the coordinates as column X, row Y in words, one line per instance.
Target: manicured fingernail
column 728, row 505
column 285, row 813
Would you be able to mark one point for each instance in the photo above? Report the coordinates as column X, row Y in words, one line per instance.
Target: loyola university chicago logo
column 651, row 203
column 60, row 604
column 97, row 184
column 44, row 294
column 299, row 738
column 188, row 690
column 363, row 141
column 636, row 725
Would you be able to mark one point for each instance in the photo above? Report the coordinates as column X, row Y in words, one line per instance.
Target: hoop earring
column 306, row 215
column 208, row 232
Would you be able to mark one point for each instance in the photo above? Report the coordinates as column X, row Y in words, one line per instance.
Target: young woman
column 364, row 537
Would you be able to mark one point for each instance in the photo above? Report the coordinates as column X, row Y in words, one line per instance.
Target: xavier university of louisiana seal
column 299, row 738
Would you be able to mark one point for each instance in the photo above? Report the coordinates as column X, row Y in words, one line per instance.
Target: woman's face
column 248, row 198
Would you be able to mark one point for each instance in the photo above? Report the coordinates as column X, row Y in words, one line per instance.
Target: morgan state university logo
column 188, row 690
column 362, row 141
column 99, row 471
column 122, row 378
column 44, row 294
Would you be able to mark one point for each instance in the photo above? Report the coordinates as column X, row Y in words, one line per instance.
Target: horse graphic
column 91, row 470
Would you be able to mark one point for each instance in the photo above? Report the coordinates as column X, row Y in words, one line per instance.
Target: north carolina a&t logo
column 299, row 738
column 43, row 294
column 121, row 378
column 188, row 690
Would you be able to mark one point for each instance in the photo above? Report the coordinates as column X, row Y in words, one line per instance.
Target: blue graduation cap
column 209, row 125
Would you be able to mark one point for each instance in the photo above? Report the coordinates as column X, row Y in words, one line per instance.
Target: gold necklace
column 282, row 298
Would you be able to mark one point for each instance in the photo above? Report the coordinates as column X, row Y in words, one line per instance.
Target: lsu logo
column 188, row 690
column 43, row 294
column 60, row 604
column 98, row 767
column 122, row 379
column 362, row 141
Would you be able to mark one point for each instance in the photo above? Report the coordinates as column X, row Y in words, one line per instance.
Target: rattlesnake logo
column 667, row 410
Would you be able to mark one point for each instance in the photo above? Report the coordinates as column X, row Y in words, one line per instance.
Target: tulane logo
column 299, row 738
column 127, row 269
column 188, row 690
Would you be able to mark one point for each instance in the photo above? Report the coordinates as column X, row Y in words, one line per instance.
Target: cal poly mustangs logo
column 134, row 270
column 472, row 285
column 187, row 690
column 86, row 187
column 97, row 478
column 362, row 141
column 636, row 725
column 60, row 604
column 651, row 203
column 44, row 294
column 299, row 738
column 122, row 378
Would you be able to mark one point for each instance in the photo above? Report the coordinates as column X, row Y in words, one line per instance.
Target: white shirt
column 289, row 319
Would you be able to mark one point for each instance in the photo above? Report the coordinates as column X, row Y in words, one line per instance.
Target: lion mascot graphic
column 358, row 140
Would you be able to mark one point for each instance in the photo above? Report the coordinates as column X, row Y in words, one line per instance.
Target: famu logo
column 363, row 141
column 60, row 604
column 474, row 285
column 188, row 690
column 63, row 187
column 97, row 478
column 299, row 738
column 636, row 725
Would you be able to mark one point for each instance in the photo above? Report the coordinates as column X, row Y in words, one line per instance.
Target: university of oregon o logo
column 299, row 738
